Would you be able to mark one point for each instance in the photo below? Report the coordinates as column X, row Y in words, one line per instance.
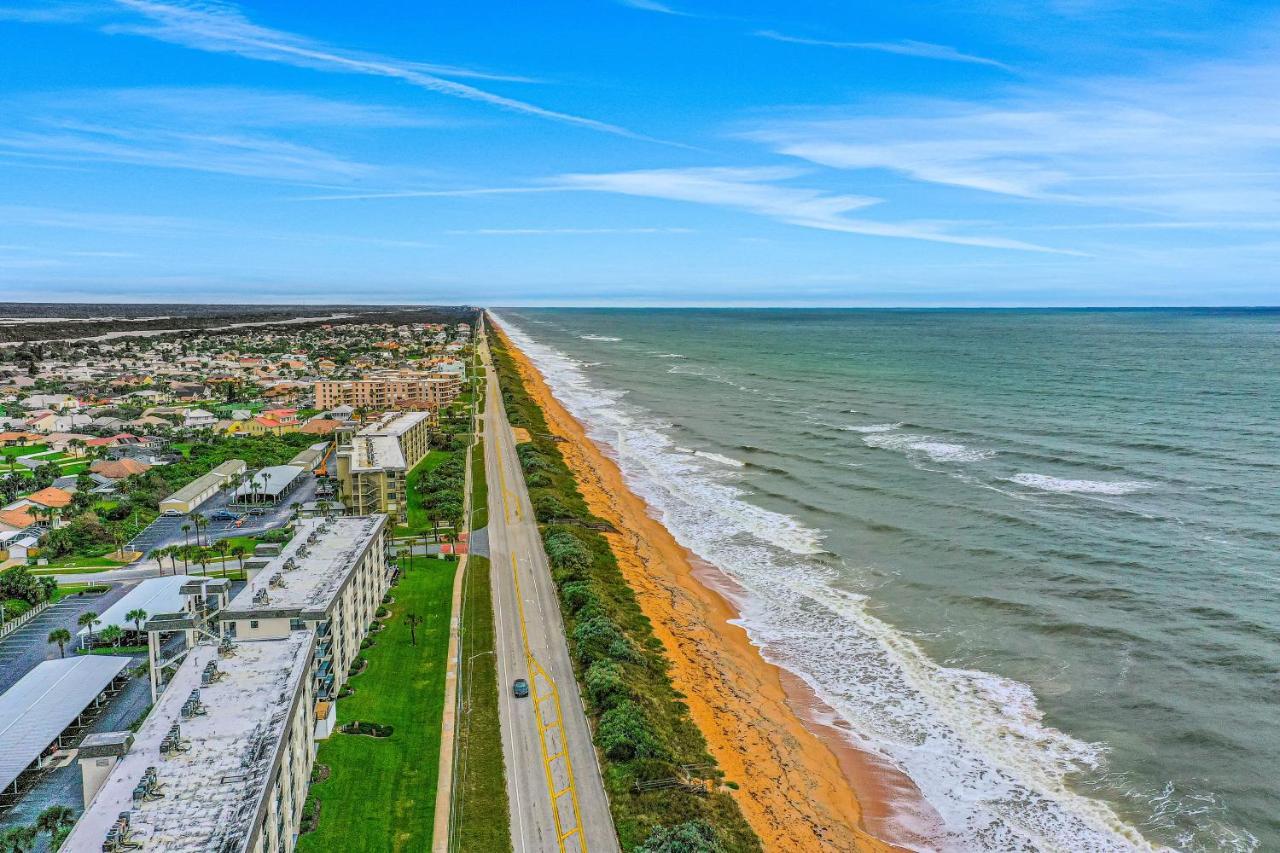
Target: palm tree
column 61, row 636
column 88, row 620
column 54, row 820
column 223, row 547
column 201, row 524
column 238, row 551
column 111, row 634
column 183, row 551
column 137, row 615
column 48, row 586
column 18, row 839
column 186, row 533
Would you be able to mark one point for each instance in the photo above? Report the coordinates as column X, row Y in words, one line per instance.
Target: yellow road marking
column 535, row 669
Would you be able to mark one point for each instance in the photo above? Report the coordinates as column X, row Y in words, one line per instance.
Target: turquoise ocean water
column 1030, row 557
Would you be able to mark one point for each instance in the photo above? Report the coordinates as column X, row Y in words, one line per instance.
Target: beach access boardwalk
column 555, row 792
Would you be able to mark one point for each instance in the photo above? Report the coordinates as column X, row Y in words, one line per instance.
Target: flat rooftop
column 377, row 446
column 154, row 595
column 214, row 792
column 321, row 564
column 35, row 710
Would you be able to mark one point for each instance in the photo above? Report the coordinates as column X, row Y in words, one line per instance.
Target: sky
column 637, row 152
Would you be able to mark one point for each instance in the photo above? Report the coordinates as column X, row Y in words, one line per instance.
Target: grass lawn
column 418, row 520
column 183, row 447
column 77, row 565
column 480, row 818
column 76, row 589
column 381, row 793
column 479, row 489
column 25, row 450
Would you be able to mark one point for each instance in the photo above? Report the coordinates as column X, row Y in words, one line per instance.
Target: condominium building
column 221, row 762
column 373, row 465
column 330, row 579
column 387, row 392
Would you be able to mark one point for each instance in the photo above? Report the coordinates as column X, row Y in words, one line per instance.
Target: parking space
column 29, row 645
column 167, row 529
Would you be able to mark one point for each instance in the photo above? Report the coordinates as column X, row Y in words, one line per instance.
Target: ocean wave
column 975, row 744
column 938, row 451
column 1095, row 487
column 605, row 338
column 870, row 428
column 667, row 355
column 714, row 457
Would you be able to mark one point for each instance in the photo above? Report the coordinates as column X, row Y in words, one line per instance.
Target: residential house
column 198, row 419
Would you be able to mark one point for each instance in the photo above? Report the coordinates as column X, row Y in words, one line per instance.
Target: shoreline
column 803, row 784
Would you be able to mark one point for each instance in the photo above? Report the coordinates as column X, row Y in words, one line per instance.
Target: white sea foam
column 924, row 445
column 668, row 355
column 1095, row 487
column 599, row 338
column 975, row 744
column 871, row 428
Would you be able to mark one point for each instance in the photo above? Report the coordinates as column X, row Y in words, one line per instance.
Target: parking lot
column 167, row 529
column 29, row 645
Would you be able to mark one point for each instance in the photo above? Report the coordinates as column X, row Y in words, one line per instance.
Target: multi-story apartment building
column 329, row 579
column 387, row 392
column 373, row 465
column 221, row 762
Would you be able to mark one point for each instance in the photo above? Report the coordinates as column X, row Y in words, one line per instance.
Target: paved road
column 556, row 795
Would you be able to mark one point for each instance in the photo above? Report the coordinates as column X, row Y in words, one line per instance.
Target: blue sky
column 1077, row 152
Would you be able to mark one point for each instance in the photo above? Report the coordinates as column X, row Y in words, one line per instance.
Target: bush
column 695, row 836
column 624, row 733
column 594, row 638
column 605, row 684
column 565, row 551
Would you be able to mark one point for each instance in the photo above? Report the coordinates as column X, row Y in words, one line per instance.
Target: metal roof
column 154, row 595
column 270, row 481
column 45, row 701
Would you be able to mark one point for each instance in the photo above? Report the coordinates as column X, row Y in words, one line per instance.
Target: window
column 297, row 625
column 253, row 623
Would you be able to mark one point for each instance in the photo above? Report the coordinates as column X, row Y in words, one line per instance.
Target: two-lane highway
column 556, row 795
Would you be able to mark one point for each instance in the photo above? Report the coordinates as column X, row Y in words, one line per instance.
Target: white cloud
column 221, row 28
column 757, row 191
column 652, row 6
column 905, row 47
column 1203, row 141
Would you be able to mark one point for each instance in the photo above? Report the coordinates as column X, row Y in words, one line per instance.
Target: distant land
column 22, row 322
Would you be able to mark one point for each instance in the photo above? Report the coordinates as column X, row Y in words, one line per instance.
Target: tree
column 186, row 533
column 413, row 620
column 18, row 839
column 137, row 616
column 88, row 620
column 624, row 733
column 111, row 634
column 61, row 636
column 48, row 586
column 55, row 820
column 238, row 551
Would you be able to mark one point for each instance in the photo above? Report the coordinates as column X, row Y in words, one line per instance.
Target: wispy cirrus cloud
column 222, row 130
column 653, row 6
column 760, row 191
column 537, row 232
column 1199, row 142
column 905, row 47
column 219, row 27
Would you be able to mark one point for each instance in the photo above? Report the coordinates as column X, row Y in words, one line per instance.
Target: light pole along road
column 555, row 792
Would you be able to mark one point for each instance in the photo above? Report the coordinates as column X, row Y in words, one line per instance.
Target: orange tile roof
column 50, row 497
column 19, row 518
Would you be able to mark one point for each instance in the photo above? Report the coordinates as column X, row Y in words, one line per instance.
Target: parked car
column 224, row 515
column 520, row 688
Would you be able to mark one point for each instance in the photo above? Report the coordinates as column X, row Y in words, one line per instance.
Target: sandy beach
column 803, row 786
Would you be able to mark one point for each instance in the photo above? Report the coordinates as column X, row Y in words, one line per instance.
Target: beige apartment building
column 387, row 392
column 373, row 465
column 330, row 579
column 222, row 761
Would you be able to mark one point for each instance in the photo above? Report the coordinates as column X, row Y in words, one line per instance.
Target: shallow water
column 1029, row 556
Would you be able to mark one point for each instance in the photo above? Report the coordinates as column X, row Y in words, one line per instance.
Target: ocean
column 1029, row 556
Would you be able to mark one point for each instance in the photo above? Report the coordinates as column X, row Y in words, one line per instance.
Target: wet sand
column 803, row 785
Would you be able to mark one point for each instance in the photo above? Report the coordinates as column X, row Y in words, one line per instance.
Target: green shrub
column 694, row 836
column 605, row 684
column 625, row 734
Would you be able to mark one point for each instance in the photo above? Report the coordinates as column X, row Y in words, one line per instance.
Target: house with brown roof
column 50, row 498
column 16, row 519
column 320, row 426
column 118, row 469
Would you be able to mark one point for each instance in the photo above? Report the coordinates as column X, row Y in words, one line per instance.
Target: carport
column 47, row 709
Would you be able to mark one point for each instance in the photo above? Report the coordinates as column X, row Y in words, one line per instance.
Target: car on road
column 224, row 515
column 520, row 688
